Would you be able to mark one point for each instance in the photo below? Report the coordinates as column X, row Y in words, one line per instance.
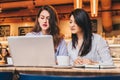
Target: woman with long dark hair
column 47, row 24
column 86, row 47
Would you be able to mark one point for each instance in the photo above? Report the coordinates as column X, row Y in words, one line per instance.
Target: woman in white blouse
column 47, row 24
column 86, row 47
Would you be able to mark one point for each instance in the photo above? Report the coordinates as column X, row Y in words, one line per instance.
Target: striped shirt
column 99, row 52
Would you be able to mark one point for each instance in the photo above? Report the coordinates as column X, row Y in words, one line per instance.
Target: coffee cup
column 63, row 60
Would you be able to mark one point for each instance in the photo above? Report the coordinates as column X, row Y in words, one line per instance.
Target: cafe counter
column 63, row 72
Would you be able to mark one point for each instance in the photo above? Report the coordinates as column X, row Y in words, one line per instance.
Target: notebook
column 32, row 51
column 97, row 66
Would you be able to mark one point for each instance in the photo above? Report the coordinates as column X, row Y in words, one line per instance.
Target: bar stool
column 48, row 77
column 6, row 76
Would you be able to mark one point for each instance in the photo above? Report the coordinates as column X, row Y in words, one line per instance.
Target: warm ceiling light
column 78, row 3
column 94, row 8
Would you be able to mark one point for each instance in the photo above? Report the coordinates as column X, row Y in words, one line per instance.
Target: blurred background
column 17, row 18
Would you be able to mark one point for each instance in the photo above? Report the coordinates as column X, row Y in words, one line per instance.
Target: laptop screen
column 32, row 51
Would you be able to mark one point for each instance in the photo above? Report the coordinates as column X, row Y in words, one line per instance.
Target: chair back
column 6, row 76
column 48, row 77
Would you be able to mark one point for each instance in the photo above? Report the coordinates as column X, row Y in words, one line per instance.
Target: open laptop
column 32, row 51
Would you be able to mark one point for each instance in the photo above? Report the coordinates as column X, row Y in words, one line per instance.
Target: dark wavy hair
column 53, row 21
column 83, row 21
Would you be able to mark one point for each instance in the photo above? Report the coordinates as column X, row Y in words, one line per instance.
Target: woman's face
column 73, row 26
column 44, row 20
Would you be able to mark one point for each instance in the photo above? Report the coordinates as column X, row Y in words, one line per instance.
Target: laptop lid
column 32, row 51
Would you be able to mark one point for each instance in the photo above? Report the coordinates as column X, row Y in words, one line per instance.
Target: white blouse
column 99, row 52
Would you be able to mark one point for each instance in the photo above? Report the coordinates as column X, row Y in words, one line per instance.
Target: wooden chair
column 48, row 77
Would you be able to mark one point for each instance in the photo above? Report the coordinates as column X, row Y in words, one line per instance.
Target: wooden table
column 7, row 69
column 68, row 72
column 62, row 72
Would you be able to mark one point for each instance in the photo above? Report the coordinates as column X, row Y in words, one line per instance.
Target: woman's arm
column 80, row 60
column 104, row 52
column 62, row 48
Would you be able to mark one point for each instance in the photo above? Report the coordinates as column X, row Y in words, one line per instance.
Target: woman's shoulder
column 33, row 34
column 98, row 39
column 97, row 36
column 69, row 43
column 63, row 41
column 28, row 34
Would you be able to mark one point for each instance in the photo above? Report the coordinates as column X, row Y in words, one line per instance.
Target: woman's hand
column 80, row 60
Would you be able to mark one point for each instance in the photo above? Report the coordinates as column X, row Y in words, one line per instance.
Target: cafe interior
column 17, row 18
